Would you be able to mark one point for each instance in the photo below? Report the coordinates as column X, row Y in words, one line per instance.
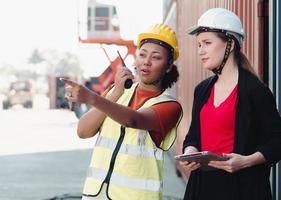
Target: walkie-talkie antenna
column 128, row 82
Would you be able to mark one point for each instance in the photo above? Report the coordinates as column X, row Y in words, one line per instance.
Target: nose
column 201, row 50
column 147, row 61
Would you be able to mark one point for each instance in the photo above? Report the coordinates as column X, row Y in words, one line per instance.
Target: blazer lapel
column 205, row 92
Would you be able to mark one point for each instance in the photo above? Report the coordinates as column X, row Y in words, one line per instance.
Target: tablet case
column 203, row 157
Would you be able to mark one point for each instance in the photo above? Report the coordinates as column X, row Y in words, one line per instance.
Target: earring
column 168, row 70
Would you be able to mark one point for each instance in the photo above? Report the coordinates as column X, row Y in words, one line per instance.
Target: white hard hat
column 220, row 19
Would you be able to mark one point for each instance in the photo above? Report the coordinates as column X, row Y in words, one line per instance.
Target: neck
column 230, row 72
column 149, row 87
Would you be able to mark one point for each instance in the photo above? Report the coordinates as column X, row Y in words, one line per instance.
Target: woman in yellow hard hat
column 134, row 126
column 234, row 115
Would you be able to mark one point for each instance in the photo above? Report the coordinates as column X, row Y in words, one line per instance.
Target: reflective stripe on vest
column 130, row 149
column 134, row 183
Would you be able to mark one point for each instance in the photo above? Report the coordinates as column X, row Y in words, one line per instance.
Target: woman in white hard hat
column 234, row 114
column 135, row 126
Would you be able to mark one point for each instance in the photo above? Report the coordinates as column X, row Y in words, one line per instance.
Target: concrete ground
column 41, row 156
column 42, row 176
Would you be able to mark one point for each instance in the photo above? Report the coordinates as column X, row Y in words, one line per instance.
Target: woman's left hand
column 234, row 163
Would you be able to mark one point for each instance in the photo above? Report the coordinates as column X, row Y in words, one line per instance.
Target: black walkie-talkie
column 128, row 83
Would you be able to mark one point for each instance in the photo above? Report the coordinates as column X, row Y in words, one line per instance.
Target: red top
column 167, row 113
column 218, row 124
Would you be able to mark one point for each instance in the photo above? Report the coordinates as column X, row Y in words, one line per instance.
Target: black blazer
column 257, row 125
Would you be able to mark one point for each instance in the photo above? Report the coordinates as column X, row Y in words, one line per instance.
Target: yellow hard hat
column 162, row 33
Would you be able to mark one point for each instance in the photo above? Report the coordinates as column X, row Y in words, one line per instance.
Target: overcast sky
column 52, row 24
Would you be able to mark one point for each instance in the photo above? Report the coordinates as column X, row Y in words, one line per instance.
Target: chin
column 208, row 67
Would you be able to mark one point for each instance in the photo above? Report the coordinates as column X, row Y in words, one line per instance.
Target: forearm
column 90, row 122
column 119, row 113
column 190, row 138
column 254, row 159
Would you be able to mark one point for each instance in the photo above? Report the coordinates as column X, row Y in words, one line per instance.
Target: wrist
column 93, row 99
column 254, row 159
column 190, row 149
column 115, row 95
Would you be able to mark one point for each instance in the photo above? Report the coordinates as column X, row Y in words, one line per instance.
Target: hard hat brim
column 193, row 30
column 196, row 29
column 144, row 36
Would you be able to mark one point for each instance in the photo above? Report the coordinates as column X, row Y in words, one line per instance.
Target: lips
column 145, row 72
column 203, row 60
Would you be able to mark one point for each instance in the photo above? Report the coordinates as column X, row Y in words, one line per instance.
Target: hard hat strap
column 218, row 70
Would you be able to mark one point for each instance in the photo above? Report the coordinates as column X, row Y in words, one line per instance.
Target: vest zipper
column 114, row 155
column 117, row 148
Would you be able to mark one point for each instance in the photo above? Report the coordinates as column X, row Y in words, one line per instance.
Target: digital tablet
column 203, row 157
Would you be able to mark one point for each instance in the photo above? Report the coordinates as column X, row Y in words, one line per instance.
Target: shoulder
column 165, row 101
column 205, row 83
column 257, row 90
column 255, row 85
column 204, row 86
column 252, row 80
column 168, row 112
column 168, row 105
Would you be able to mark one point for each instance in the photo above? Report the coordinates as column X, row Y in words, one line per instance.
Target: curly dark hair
column 170, row 78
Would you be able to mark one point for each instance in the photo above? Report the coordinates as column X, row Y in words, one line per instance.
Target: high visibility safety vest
column 127, row 159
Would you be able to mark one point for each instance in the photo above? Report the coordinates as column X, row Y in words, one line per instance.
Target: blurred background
column 41, row 157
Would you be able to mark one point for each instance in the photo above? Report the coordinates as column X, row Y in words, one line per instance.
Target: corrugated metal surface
column 275, row 79
column 191, row 73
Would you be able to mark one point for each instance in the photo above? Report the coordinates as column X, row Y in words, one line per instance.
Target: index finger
column 69, row 82
column 184, row 162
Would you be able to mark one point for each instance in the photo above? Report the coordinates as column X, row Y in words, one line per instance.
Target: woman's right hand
column 189, row 166
column 76, row 92
column 122, row 74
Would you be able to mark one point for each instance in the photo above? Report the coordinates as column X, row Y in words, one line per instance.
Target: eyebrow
column 158, row 52
column 205, row 40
